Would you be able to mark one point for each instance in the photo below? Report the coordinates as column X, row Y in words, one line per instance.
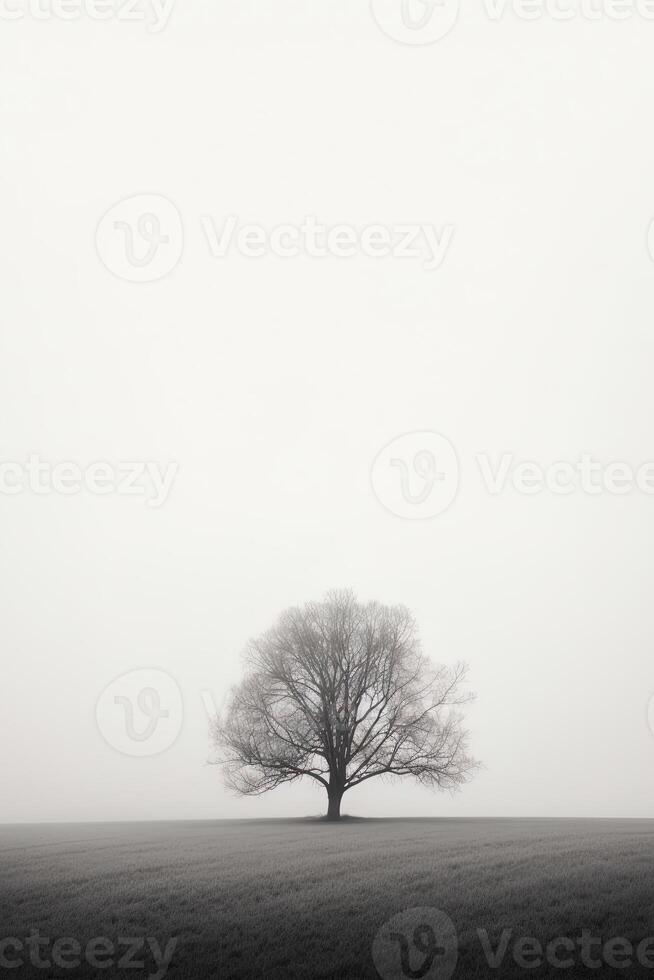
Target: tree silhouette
column 339, row 692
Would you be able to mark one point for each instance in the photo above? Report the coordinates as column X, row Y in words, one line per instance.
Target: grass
column 284, row 899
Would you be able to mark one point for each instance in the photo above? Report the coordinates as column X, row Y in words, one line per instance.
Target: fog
column 272, row 382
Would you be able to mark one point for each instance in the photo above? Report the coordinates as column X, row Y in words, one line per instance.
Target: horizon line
column 306, row 818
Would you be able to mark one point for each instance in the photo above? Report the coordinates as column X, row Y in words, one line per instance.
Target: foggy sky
column 273, row 383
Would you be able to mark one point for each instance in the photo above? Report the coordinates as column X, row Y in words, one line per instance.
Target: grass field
column 283, row 899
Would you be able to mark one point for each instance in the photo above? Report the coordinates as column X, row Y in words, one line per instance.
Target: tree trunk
column 334, row 809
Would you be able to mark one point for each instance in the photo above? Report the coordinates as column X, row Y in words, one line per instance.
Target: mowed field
column 284, row 899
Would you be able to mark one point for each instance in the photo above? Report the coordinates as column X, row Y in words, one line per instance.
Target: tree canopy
column 340, row 692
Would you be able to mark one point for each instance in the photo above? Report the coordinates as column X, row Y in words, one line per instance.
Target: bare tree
column 340, row 692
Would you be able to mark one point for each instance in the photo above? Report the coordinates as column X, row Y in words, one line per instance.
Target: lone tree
column 340, row 692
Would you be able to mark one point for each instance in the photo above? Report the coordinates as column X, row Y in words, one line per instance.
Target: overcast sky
column 272, row 384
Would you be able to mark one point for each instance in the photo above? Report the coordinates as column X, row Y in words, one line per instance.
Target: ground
column 306, row 898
